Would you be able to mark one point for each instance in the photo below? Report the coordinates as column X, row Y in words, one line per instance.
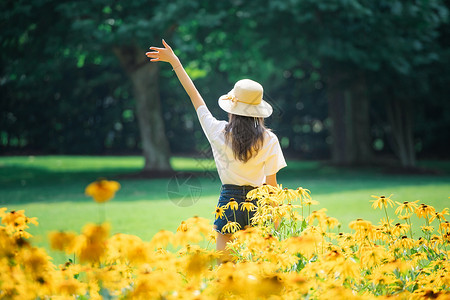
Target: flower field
column 292, row 251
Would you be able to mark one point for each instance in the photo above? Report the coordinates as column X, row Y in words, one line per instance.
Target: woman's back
column 266, row 161
column 238, row 173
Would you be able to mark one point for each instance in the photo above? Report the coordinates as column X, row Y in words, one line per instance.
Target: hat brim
column 262, row 110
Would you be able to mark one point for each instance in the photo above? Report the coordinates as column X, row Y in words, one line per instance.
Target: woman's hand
column 163, row 54
column 166, row 54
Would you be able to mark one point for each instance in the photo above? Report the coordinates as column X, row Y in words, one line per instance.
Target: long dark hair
column 246, row 135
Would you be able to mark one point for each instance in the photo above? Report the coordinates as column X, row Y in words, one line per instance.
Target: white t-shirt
column 268, row 161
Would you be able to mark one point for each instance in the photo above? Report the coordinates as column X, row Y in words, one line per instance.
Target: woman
column 246, row 154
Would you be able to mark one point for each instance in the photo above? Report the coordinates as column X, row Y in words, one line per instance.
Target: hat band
column 234, row 100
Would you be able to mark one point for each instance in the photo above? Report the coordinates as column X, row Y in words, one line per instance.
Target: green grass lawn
column 52, row 189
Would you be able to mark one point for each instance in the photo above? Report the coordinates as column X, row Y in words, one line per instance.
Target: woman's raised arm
column 166, row 54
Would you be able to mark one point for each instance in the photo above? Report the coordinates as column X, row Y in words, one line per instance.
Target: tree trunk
column 145, row 81
column 400, row 117
column 360, row 125
column 348, row 106
column 336, row 112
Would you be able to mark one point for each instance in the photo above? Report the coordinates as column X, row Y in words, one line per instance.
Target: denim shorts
column 239, row 193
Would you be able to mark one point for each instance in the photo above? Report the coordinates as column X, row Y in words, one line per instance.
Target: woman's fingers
column 159, row 52
column 166, row 45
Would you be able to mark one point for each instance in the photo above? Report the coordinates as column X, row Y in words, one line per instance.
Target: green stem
column 102, row 213
column 410, row 227
column 302, row 212
column 389, row 224
column 443, row 238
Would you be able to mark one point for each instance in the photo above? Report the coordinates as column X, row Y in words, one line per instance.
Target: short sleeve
column 210, row 125
column 275, row 160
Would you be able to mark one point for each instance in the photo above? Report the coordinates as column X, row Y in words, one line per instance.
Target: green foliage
column 63, row 89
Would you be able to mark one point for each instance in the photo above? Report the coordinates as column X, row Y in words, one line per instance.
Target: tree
column 93, row 31
column 124, row 28
column 356, row 44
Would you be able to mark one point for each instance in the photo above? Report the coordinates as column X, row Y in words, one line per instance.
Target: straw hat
column 245, row 99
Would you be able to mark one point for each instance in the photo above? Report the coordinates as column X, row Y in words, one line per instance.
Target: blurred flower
column 102, row 190
column 405, row 217
column 90, row 246
column 310, row 202
column 62, row 241
column 162, row 239
column 331, row 222
column 293, row 261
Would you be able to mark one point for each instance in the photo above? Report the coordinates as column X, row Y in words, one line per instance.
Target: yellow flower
column 91, row 245
column 14, row 218
column 36, row 260
column 2, row 211
column 425, row 211
column 331, row 222
column 405, row 217
column 359, row 224
column 309, row 202
column 446, row 238
column 232, row 204
column 198, row 263
column 62, row 241
column 219, row 213
column 71, row 287
column 350, row 268
column 405, row 242
column 288, row 194
column 372, row 255
column 427, row 228
column 102, row 190
column 231, row 227
column 264, row 201
column 320, row 215
column 254, row 194
column 436, row 239
column 381, row 202
column 444, row 226
column 304, row 244
column 439, row 215
column 406, row 206
column 304, row 193
column 399, row 229
column 248, row 205
column 182, row 227
column 162, row 238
